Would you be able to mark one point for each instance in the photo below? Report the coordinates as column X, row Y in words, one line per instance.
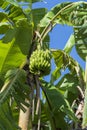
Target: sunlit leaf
column 69, row 45
column 61, row 60
column 55, row 74
column 58, row 57
column 12, row 56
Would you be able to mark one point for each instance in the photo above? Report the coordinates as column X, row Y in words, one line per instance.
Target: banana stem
column 38, row 106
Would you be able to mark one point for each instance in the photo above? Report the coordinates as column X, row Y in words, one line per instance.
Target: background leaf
column 57, row 105
column 6, row 118
column 68, row 86
column 81, row 41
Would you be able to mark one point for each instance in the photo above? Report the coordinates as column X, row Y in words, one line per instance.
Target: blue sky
column 60, row 34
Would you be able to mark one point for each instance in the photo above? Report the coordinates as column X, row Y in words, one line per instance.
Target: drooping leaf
column 15, row 87
column 81, row 40
column 64, row 13
column 51, row 14
column 63, row 61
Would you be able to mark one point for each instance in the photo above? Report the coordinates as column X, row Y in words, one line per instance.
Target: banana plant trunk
column 24, row 119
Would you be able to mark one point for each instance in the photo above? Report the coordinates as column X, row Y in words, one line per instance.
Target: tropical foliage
column 24, row 38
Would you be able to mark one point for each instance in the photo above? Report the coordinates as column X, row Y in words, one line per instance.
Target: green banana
column 40, row 62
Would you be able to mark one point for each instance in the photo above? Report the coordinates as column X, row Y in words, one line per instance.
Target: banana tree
column 27, row 100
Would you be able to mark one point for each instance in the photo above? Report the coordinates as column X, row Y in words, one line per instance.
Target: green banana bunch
column 40, row 62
